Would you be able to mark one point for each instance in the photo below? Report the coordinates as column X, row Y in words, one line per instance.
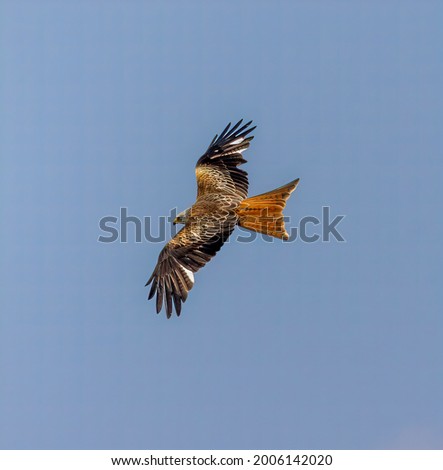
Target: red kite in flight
column 222, row 203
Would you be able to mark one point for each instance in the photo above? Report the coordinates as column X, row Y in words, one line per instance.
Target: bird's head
column 183, row 217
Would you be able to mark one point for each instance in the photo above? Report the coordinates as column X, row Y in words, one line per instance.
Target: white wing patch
column 237, row 141
column 188, row 273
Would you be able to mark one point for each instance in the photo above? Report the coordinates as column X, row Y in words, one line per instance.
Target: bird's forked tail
column 264, row 213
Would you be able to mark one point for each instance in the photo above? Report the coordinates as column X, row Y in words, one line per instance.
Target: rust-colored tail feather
column 264, row 213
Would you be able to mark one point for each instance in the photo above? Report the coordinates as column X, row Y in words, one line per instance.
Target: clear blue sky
column 326, row 345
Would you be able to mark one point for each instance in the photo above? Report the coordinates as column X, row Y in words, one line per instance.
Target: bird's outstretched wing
column 192, row 247
column 217, row 170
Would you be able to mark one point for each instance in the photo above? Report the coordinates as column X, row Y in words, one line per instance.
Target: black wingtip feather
column 177, row 304
column 152, row 291
column 223, row 134
column 235, row 127
column 159, row 299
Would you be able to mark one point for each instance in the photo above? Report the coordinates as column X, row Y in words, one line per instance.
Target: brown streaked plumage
column 221, row 204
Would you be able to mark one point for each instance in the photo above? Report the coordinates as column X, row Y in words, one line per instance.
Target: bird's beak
column 175, row 221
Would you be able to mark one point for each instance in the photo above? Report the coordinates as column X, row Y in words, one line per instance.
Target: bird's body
column 221, row 205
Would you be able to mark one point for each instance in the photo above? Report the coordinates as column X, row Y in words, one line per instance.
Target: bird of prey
column 222, row 203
